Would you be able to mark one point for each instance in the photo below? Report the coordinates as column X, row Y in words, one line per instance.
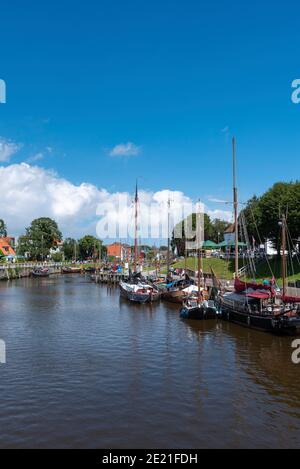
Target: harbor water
column 85, row 369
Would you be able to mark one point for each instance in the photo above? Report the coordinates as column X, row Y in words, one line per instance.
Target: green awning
column 210, row 245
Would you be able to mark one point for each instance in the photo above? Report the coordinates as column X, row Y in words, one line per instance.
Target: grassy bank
column 224, row 269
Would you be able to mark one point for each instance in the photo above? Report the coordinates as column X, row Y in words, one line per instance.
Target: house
column 229, row 234
column 119, row 251
column 7, row 247
column 57, row 247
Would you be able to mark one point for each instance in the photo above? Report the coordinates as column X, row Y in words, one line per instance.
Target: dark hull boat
column 174, row 292
column 256, row 305
column 42, row 272
column 201, row 311
column 139, row 293
column 174, row 296
column 250, row 311
column 71, row 270
column 90, row 270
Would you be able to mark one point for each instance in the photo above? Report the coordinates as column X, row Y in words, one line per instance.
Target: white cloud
column 8, row 149
column 125, row 149
column 225, row 215
column 29, row 192
column 37, row 157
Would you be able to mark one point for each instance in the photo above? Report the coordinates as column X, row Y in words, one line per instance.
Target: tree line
column 43, row 238
column 213, row 231
column 261, row 217
column 263, row 214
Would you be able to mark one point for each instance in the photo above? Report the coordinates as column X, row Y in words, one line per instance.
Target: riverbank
column 17, row 271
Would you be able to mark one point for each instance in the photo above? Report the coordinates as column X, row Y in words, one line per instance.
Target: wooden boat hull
column 137, row 297
column 275, row 325
column 71, row 271
column 198, row 312
column 176, row 296
column 40, row 274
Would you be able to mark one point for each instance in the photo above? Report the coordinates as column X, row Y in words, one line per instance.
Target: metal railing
column 30, row 265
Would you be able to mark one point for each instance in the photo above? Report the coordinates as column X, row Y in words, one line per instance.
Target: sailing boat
column 174, row 290
column 136, row 289
column 256, row 305
column 197, row 304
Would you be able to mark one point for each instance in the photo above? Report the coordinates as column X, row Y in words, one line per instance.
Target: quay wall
column 15, row 271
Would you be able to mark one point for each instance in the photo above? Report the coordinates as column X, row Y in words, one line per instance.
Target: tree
column 3, row 229
column 40, row 237
column 178, row 237
column 2, row 256
column 69, row 248
column 263, row 214
column 91, row 248
column 218, row 228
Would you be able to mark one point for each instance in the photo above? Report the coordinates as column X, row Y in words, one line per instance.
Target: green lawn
column 293, row 271
column 224, row 269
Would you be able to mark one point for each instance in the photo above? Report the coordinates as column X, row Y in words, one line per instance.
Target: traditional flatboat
column 193, row 309
column 259, row 310
column 139, row 292
column 257, row 305
column 40, row 272
column 71, row 270
column 198, row 303
column 136, row 289
column 175, row 292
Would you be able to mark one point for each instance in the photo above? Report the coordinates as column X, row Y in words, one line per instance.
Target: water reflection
column 87, row 369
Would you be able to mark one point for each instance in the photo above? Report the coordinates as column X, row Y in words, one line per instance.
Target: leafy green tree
column 263, row 214
column 3, row 229
column 57, row 256
column 70, row 248
column 253, row 217
column 218, row 228
column 178, row 237
column 2, row 257
column 40, row 237
column 91, row 248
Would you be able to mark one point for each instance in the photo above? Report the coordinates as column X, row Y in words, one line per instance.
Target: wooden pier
column 113, row 278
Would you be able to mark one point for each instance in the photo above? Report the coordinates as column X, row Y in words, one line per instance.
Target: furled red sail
column 290, row 299
column 242, row 286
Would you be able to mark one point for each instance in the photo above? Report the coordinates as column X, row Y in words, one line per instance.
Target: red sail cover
column 259, row 295
column 242, row 286
column 290, row 299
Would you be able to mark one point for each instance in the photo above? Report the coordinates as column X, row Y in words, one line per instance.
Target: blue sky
column 174, row 78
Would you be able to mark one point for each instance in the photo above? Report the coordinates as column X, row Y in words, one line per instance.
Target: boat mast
column 235, row 206
column 136, row 228
column 168, row 253
column 283, row 256
column 200, row 261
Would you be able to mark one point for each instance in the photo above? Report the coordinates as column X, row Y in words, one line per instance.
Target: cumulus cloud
column 125, row 149
column 8, row 149
column 29, row 192
column 225, row 215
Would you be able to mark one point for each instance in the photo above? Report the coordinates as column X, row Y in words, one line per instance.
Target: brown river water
column 85, row 369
